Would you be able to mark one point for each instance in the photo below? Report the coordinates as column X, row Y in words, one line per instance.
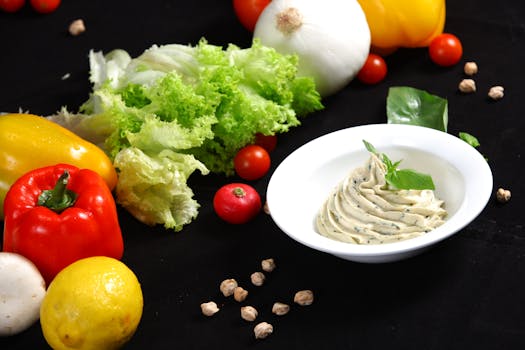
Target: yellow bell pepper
column 28, row 142
column 403, row 23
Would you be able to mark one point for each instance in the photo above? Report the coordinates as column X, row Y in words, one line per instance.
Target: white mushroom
column 22, row 289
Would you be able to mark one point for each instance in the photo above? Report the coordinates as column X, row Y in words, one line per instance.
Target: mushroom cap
column 22, row 289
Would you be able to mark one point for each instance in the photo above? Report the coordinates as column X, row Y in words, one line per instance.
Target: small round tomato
column 268, row 142
column 11, row 5
column 252, row 162
column 248, row 11
column 237, row 203
column 373, row 71
column 45, row 6
column 445, row 50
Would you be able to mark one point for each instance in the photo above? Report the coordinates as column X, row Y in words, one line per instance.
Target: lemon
column 94, row 303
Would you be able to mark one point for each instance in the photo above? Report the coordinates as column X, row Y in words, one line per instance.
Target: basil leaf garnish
column 402, row 179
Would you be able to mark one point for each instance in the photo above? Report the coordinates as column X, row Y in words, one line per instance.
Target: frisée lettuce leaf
column 178, row 108
column 152, row 187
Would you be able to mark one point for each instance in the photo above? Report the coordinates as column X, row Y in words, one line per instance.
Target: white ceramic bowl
column 302, row 182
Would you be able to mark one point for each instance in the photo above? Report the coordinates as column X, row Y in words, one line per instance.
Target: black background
column 467, row 292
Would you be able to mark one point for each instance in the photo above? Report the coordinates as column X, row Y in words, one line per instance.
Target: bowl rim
column 465, row 158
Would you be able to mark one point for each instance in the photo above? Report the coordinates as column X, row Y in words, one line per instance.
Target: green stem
column 238, row 192
column 59, row 198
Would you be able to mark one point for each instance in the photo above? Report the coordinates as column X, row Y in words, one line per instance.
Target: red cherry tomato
column 248, row 11
column 373, row 71
column 445, row 50
column 45, row 6
column 252, row 162
column 237, row 203
column 11, row 5
column 268, row 142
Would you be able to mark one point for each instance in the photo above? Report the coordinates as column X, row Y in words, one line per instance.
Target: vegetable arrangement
column 178, row 108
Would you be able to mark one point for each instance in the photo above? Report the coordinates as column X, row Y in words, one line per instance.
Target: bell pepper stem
column 59, row 198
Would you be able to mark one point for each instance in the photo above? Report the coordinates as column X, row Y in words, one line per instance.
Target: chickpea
column 467, row 86
column 262, row 330
column 268, row 265
column 496, row 92
column 228, row 286
column 470, row 68
column 258, row 278
column 280, row 309
column 502, row 195
column 240, row 294
column 209, row 309
column 249, row 313
column 304, row 297
column 266, row 208
column 77, row 27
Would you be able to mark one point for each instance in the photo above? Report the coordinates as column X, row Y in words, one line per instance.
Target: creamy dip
column 362, row 210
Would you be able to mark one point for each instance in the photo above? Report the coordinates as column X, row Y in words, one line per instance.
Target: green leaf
column 407, row 105
column 468, row 138
column 370, row 148
column 402, row 179
column 408, row 179
column 177, row 108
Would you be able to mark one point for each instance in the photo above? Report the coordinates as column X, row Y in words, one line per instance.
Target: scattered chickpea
column 262, row 330
column 266, row 208
column 268, row 265
column 470, row 68
column 467, row 86
column 228, row 286
column 496, row 92
column 249, row 313
column 304, row 297
column 77, row 27
column 280, row 309
column 209, row 309
column 258, row 278
column 240, row 294
column 502, row 195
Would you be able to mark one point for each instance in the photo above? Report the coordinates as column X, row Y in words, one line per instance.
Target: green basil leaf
column 468, row 138
column 407, row 105
column 408, row 179
column 404, row 179
column 369, row 147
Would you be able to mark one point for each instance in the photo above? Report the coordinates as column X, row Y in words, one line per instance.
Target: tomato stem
column 238, row 192
column 59, row 198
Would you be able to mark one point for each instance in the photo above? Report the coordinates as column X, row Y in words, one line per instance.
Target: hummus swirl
column 362, row 210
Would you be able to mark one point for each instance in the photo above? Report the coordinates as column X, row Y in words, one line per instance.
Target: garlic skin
column 330, row 37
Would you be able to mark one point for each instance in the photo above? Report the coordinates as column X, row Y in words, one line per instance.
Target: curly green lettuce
column 178, row 108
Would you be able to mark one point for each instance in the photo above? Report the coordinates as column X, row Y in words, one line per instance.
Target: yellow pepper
column 403, row 23
column 28, row 142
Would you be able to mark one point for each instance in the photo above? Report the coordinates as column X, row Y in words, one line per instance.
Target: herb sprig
column 401, row 179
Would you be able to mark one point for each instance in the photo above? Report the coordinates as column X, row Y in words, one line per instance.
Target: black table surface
column 467, row 292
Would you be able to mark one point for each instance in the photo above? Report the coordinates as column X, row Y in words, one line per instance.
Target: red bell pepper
column 59, row 214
